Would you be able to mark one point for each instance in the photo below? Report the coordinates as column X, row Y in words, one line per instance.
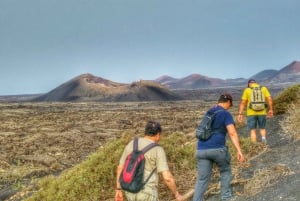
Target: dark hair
column 251, row 81
column 152, row 128
column 224, row 98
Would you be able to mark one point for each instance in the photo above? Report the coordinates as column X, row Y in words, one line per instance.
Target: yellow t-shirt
column 246, row 96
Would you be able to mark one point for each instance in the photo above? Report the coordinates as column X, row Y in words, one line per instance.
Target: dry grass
column 39, row 139
column 109, row 126
column 292, row 121
column 290, row 99
column 285, row 98
column 264, row 178
column 288, row 103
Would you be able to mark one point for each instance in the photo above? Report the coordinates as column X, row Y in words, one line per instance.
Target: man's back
column 247, row 97
column 155, row 158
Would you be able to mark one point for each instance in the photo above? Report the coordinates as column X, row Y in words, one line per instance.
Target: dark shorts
column 256, row 121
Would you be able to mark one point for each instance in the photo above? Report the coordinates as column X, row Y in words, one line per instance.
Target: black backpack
column 204, row 130
column 132, row 175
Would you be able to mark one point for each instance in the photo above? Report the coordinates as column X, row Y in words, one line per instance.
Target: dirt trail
column 275, row 174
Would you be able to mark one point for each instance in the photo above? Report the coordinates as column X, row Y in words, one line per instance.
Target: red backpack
column 132, row 175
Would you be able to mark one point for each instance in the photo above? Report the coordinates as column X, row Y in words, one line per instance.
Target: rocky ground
column 46, row 138
column 39, row 139
column 274, row 175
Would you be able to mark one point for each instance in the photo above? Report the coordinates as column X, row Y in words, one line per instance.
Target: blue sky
column 44, row 43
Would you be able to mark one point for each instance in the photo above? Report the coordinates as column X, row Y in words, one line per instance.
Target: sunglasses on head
column 228, row 98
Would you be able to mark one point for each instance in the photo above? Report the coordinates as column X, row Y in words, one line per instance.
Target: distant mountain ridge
column 87, row 87
column 288, row 74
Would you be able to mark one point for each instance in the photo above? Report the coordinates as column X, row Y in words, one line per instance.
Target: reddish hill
column 293, row 67
column 193, row 81
column 288, row 74
column 166, row 80
column 88, row 87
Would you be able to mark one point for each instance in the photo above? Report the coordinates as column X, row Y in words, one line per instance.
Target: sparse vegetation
column 94, row 177
column 287, row 102
column 286, row 98
column 97, row 173
column 292, row 121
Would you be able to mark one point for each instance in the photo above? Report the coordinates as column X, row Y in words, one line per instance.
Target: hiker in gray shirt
column 155, row 158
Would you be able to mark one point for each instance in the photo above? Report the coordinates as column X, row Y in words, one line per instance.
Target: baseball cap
column 251, row 81
column 225, row 97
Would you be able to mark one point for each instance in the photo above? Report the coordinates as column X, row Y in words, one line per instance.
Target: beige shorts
column 140, row 196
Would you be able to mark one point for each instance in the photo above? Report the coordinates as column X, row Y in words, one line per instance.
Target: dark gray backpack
column 204, row 130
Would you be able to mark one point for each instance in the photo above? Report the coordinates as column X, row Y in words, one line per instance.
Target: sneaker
column 264, row 141
column 230, row 199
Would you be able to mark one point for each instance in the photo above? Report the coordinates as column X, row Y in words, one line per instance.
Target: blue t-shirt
column 218, row 139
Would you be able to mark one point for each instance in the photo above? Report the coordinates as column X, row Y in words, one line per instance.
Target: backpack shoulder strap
column 146, row 148
column 135, row 144
column 219, row 110
column 256, row 87
column 215, row 112
column 149, row 146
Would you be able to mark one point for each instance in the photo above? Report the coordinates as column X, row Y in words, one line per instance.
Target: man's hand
column 270, row 114
column 240, row 118
column 240, row 157
column 119, row 195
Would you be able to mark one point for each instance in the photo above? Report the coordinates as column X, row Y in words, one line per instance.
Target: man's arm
column 119, row 194
column 270, row 106
column 241, row 109
column 235, row 140
column 170, row 182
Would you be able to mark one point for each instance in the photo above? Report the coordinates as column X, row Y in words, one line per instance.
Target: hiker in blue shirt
column 214, row 150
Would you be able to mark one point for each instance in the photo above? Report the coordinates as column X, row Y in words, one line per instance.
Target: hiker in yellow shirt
column 256, row 117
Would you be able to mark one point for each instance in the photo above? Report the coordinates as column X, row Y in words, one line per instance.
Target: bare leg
column 263, row 132
column 253, row 135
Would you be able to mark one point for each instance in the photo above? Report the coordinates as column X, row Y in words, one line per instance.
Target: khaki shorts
column 141, row 196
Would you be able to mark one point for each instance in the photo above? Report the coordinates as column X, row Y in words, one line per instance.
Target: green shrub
column 94, row 179
column 285, row 98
